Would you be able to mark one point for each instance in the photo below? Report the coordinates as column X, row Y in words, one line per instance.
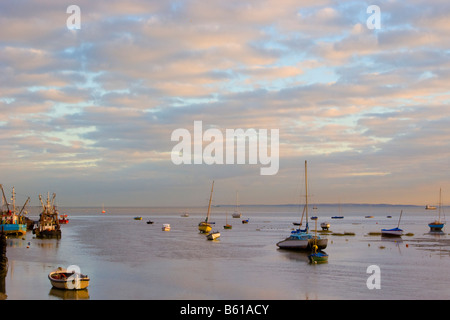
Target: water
column 130, row 259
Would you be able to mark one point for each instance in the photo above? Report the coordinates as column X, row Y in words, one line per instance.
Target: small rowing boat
column 63, row 279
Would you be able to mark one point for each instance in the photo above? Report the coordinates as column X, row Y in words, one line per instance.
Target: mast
column 14, row 200
column 398, row 225
column 209, row 205
column 440, row 199
column 4, row 198
column 306, row 195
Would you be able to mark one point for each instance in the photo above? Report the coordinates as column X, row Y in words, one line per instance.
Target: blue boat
column 394, row 232
column 437, row 225
column 12, row 223
column 318, row 257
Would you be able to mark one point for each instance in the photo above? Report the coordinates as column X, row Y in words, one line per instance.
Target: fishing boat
column 137, row 218
column 62, row 279
column 301, row 239
column 394, row 232
column 63, row 219
column 437, row 225
column 213, row 235
column 13, row 222
column 316, row 255
column 428, row 207
column 237, row 212
column 227, row 226
column 205, row 226
column 48, row 225
column 166, row 227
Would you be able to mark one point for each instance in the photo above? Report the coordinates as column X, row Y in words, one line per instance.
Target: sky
column 88, row 102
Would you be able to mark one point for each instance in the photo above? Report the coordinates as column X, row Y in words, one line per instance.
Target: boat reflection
column 69, row 294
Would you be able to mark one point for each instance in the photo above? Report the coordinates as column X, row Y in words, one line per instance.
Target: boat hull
column 302, row 244
column 48, row 234
column 318, row 257
column 66, row 281
column 14, row 229
column 227, row 226
column 204, row 227
column 396, row 232
column 436, row 226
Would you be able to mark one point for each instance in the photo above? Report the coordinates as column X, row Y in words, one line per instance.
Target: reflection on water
column 244, row 263
column 69, row 294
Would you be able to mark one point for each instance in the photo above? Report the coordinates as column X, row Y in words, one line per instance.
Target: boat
column 301, row 239
column 368, row 217
column 227, row 226
column 325, row 225
column 337, row 217
column 63, row 219
column 48, row 225
column 317, row 256
column 166, row 227
column 245, row 221
column 428, row 207
column 213, row 235
column 437, row 225
column 63, row 279
column 149, row 222
column 185, row 215
column 103, row 208
column 137, row 218
column 389, row 217
column 205, row 226
column 314, row 218
column 236, row 213
column 13, row 222
column 395, row 232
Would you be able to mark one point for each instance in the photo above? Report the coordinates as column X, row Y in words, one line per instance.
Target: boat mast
column 4, row 198
column 440, row 199
column 209, row 205
column 398, row 225
column 306, row 195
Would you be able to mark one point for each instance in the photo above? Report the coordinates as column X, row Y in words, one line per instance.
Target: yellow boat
column 204, row 226
column 137, row 218
column 62, row 279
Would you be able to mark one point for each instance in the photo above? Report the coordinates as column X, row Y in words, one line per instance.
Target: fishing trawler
column 48, row 225
column 301, row 239
column 12, row 222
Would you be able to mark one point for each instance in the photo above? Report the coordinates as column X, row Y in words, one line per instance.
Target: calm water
column 130, row 259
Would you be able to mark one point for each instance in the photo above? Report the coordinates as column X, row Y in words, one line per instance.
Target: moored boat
column 63, row 219
column 301, row 239
column 237, row 213
column 394, row 232
column 205, row 226
column 12, row 222
column 245, row 221
column 62, row 279
column 137, row 218
column 437, row 225
column 166, row 227
column 325, row 225
column 428, row 207
column 48, row 225
column 213, row 235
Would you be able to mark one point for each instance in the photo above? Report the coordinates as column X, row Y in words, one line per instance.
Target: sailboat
column 205, row 226
column 301, row 239
column 317, row 256
column 237, row 213
column 437, row 225
column 395, row 232
column 103, row 208
column 227, row 226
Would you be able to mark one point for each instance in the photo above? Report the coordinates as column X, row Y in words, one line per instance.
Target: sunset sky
column 88, row 113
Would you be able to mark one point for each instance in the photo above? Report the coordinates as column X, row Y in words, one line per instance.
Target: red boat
column 63, row 219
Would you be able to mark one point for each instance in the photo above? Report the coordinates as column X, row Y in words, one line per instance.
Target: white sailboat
column 301, row 239
column 237, row 213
